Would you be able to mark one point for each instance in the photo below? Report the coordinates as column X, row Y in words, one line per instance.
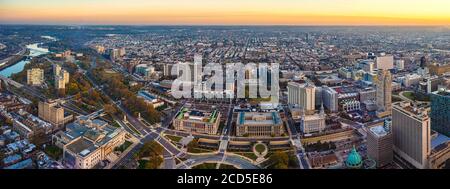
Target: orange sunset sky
column 227, row 12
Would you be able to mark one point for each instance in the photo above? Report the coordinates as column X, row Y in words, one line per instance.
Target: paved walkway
column 231, row 159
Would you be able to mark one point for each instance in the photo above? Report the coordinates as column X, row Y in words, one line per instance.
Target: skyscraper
column 114, row 54
column 35, row 76
column 367, row 65
column 302, row 94
column 380, row 144
column 59, row 82
column 400, row 64
column 293, row 93
column 330, row 99
column 168, row 69
column 385, row 62
column 53, row 113
column 122, row 51
column 65, row 75
column 384, row 93
column 411, row 131
column 423, row 62
column 56, row 69
column 440, row 111
column 61, row 77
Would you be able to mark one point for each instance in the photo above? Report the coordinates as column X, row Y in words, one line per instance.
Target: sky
column 227, row 12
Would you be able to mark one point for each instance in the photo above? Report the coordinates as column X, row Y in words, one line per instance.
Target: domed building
column 354, row 160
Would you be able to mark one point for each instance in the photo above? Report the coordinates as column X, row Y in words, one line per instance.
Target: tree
column 73, row 88
column 293, row 161
column 154, row 162
column 9, row 122
column 280, row 160
column 116, row 87
column 150, row 149
column 192, row 145
column 110, row 109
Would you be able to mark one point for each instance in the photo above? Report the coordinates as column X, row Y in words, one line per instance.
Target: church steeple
column 322, row 111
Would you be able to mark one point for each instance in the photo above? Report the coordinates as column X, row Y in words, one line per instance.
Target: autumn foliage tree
column 115, row 87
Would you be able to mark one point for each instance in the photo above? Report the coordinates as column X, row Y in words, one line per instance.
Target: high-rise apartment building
column 367, row 65
column 411, row 131
column 56, row 69
column 330, row 99
column 380, row 144
column 400, row 64
column 53, row 113
column 35, row 76
column 61, row 77
column 122, row 51
column 440, row 111
column 59, row 82
column 384, row 62
column 65, row 75
column 114, row 54
column 302, row 94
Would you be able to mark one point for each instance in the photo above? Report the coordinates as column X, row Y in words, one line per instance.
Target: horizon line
column 236, row 25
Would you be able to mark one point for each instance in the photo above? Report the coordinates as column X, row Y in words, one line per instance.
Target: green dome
column 354, row 160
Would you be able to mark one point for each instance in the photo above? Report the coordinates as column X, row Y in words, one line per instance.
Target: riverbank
column 32, row 50
column 14, row 60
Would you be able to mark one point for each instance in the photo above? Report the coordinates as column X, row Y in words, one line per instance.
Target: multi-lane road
column 295, row 140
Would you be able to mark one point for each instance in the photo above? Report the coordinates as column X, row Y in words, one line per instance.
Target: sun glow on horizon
column 233, row 12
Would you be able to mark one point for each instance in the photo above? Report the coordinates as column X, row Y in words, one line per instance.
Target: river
column 18, row 67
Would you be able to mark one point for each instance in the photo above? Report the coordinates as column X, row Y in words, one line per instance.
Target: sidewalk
column 124, row 153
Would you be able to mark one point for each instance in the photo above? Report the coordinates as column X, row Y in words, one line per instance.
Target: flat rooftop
column 442, row 93
column 146, row 95
column 438, row 140
column 197, row 115
column 379, row 131
column 413, row 111
column 82, row 146
column 258, row 118
column 312, row 117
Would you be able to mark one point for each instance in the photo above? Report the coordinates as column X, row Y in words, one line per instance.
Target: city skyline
column 225, row 84
column 221, row 12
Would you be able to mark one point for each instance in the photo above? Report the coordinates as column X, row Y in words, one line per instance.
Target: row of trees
column 115, row 86
column 87, row 97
